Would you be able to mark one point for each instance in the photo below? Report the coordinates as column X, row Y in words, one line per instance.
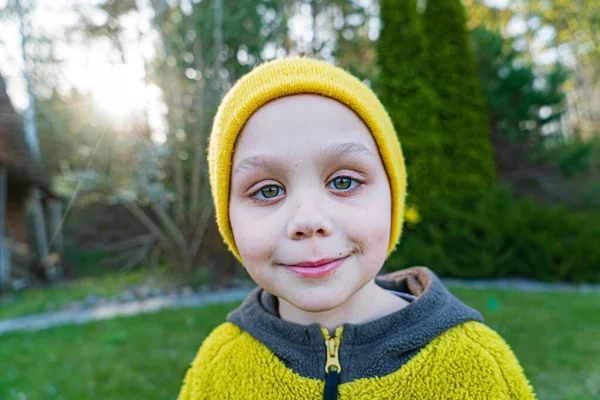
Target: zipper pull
column 332, row 365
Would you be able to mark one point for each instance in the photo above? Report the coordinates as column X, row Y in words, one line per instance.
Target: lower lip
column 317, row 272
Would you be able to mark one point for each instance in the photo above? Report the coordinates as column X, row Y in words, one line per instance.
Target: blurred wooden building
column 29, row 211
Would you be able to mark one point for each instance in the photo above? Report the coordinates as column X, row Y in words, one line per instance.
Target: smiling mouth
column 316, row 269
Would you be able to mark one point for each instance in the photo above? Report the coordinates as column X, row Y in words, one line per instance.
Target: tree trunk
column 175, row 109
column 55, row 212
column 218, row 38
column 4, row 255
column 31, row 135
column 198, row 133
column 51, row 270
column 313, row 8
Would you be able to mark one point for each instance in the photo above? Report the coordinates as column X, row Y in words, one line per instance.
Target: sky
column 89, row 66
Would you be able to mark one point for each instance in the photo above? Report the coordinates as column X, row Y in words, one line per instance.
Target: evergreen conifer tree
column 405, row 90
column 463, row 117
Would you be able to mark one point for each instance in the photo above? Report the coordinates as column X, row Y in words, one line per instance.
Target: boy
column 309, row 184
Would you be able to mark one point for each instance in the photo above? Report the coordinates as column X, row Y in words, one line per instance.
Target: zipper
column 332, row 365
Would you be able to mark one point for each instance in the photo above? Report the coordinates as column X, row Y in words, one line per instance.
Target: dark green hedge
column 496, row 235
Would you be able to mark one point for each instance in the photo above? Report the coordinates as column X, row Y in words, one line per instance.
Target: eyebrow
column 337, row 150
column 333, row 151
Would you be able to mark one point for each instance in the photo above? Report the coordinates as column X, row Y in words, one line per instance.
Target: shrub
column 495, row 235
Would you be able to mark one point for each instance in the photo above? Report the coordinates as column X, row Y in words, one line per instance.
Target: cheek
column 254, row 235
column 371, row 224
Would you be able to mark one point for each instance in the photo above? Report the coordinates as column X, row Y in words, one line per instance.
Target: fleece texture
column 373, row 349
column 434, row 348
column 285, row 77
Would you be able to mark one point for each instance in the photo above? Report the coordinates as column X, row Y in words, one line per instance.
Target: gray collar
column 375, row 348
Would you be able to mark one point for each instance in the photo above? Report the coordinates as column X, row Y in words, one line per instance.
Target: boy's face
column 308, row 184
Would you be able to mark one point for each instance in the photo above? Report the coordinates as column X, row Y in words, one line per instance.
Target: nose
column 309, row 219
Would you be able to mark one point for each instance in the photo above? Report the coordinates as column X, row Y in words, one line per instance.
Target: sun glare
column 118, row 90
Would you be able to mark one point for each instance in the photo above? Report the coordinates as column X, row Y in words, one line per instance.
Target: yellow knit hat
column 285, row 77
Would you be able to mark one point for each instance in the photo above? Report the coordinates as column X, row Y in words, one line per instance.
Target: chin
column 318, row 300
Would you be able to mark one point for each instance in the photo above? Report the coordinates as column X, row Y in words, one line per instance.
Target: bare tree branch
column 144, row 219
column 175, row 232
column 200, row 230
column 179, row 184
column 131, row 242
column 137, row 258
column 198, row 134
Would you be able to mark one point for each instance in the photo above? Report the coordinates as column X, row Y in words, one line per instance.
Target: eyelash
column 258, row 200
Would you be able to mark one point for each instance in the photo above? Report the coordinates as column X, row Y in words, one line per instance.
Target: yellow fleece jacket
column 467, row 361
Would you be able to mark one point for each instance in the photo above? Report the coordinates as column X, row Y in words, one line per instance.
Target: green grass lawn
column 555, row 336
column 34, row 301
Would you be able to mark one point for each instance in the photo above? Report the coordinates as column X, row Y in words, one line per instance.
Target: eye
column 345, row 183
column 267, row 192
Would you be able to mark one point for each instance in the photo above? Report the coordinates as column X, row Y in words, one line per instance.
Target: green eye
column 342, row 183
column 270, row 191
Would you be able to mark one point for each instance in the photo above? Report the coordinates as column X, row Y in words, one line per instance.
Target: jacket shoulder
column 231, row 363
column 468, row 361
column 216, row 342
column 496, row 355
column 222, row 337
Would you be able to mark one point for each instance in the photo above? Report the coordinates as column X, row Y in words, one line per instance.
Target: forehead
column 301, row 123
